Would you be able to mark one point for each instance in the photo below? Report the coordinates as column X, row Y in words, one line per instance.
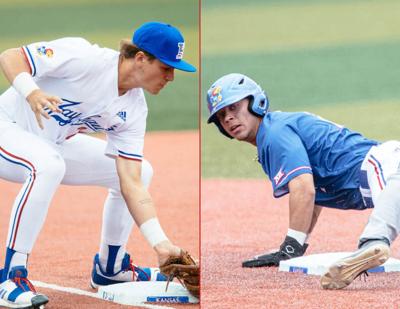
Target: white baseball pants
column 42, row 167
column 382, row 167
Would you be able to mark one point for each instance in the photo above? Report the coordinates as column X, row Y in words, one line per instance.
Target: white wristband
column 153, row 232
column 24, row 84
column 299, row 236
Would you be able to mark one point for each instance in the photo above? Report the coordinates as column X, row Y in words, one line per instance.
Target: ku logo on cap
column 181, row 47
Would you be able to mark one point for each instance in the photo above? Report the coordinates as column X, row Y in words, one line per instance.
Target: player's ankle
column 14, row 258
column 367, row 241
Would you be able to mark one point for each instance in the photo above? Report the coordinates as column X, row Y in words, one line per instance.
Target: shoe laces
column 363, row 275
column 19, row 281
column 135, row 270
column 171, row 277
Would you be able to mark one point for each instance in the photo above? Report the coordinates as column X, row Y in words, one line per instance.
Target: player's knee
column 147, row 173
column 53, row 167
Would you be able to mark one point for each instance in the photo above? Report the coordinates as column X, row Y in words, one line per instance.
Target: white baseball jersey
column 85, row 77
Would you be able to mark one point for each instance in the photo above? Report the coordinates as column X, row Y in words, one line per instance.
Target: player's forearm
column 301, row 207
column 141, row 207
column 139, row 201
column 17, row 71
column 12, row 63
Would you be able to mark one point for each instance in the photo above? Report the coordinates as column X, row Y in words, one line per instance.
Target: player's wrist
column 166, row 249
column 24, row 84
column 153, row 232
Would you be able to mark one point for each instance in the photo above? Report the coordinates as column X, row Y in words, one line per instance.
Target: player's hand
column 290, row 248
column 166, row 249
column 41, row 103
column 185, row 269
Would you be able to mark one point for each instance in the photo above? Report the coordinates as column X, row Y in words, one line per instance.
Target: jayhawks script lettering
column 72, row 117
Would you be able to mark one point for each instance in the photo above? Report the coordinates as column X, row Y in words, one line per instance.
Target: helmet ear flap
column 250, row 106
column 258, row 107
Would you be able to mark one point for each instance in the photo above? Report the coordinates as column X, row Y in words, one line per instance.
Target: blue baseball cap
column 164, row 42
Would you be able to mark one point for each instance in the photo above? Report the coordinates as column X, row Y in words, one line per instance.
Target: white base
column 318, row 264
column 131, row 293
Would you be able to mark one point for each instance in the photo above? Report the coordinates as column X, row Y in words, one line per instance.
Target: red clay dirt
column 65, row 248
column 240, row 219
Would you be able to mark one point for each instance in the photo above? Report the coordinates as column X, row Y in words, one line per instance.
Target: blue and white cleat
column 128, row 273
column 18, row 292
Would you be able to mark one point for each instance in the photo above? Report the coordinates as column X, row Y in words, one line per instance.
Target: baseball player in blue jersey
column 320, row 164
column 63, row 88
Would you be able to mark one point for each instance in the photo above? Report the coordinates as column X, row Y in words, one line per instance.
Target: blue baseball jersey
column 291, row 144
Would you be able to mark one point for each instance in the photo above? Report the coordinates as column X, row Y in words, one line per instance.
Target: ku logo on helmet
column 216, row 96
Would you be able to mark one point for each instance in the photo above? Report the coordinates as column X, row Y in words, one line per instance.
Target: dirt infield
column 241, row 219
column 64, row 251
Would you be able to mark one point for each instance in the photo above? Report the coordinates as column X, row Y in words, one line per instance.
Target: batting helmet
column 232, row 88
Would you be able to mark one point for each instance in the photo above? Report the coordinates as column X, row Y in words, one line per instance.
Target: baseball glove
column 185, row 269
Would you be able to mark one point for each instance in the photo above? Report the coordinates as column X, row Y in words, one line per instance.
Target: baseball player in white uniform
column 63, row 88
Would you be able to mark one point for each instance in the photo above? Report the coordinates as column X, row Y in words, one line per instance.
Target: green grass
column 105, row 22
column 358, row 72
column 337, row 59
column 222, row 4
column 297, row 24
column 222, row 157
